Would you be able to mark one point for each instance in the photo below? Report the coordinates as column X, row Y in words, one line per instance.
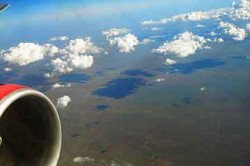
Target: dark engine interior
column 25, row 128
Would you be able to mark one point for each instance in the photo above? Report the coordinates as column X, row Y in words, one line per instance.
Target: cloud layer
column 240, row 10
column 192, row 16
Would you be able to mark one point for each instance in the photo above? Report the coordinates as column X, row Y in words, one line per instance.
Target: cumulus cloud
column 119, row 37
column 114, row 32
column 72, row 62
column 7, row 69
column 170, row 61
column 26, row 53
column 240, row 10
column 77, row 55
column 63, row 102
column 57, row 85
column 231, row 29
column 183, row 45
column 81, row 46
column 83, row 159
column 125, row 43
column 60, row 38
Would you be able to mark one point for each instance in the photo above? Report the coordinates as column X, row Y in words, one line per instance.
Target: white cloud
column 7, row 69
column 77, row 55
column 114, row 32
column 126, row 43
column 72, row 62
column 203, row 89
column 170, row 61
column 48, row 75
column 60, row 38
column 147, row 41
column 192, row 16
column 160, row 79
column 207, row 47
column 81, row 46
column 63, row 102
column 81, row 62
column 156, row 29
column 219, row 40
column 57, row 85
column 240, row 10
column 248, row 27
column 231, row 29
column 183, row 45
column 212, row 33
column 200, row 26
column 26, row 53
column 83, row 159
column 61, row 66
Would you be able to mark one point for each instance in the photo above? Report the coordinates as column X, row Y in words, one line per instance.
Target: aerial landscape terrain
column 137, row 83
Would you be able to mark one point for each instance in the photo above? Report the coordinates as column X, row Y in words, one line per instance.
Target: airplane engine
column 30, row 130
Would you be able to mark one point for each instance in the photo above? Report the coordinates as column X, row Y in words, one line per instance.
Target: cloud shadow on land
column 137, row 72
column 7, row 77
column 191, row 67
column 34, row 81
column 75, row 77
column 120, row 88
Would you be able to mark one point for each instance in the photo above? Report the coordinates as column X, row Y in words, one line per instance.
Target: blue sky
column 30, row 8
column 39, row 20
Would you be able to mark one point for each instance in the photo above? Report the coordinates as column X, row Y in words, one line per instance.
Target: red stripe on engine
column 6, row 89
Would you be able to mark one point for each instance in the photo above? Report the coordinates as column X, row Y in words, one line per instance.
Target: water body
column 191, row 67
column 75, row 77
column 120, row 88
column 137, row 72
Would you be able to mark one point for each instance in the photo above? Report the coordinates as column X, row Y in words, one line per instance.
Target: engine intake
column 30, row 130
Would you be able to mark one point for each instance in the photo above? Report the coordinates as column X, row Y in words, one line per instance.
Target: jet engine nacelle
column 30, row 130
